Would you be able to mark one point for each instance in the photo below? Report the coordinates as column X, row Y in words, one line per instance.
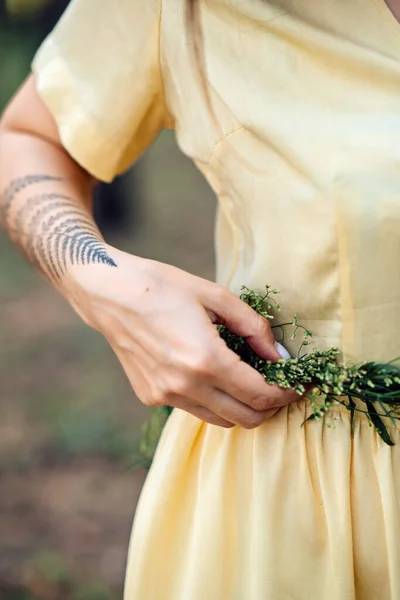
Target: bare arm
column 45, row 203
column 158, row 319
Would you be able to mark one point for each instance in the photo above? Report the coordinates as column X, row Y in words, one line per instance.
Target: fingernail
column 283, row 353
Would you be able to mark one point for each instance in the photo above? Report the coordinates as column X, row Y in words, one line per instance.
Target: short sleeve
column 98, row 73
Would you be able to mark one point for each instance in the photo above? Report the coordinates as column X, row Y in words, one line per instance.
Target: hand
column 160, row 322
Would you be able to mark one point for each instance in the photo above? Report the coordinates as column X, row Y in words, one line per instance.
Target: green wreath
column 319, row 376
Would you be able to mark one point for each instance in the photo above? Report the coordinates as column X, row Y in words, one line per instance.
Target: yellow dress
column 306, row 167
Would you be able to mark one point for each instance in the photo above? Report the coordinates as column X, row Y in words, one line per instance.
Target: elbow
column 5, row 122
column 28, row 118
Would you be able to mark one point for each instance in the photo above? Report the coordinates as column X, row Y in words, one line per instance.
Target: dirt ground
column 69, row 421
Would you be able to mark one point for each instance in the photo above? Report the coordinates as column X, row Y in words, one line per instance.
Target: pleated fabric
column 285, row 512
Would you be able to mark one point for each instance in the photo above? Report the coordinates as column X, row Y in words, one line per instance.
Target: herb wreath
column 319, row 376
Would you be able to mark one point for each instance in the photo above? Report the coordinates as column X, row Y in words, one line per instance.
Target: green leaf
column 310, row 418
column 378, row 424
column 352, row 408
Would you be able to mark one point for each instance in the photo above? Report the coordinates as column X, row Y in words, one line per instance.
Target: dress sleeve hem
column 79, row 134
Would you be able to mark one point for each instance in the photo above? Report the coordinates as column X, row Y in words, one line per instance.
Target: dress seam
column 223, row 200
column 340, row 272
column 169, row 120
column 223, row 139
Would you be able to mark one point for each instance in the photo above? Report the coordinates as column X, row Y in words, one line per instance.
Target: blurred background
column 69, row 421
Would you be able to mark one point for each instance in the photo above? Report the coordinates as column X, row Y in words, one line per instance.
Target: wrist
column 114, row 273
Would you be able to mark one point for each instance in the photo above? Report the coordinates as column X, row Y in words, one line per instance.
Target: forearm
column 45, row 205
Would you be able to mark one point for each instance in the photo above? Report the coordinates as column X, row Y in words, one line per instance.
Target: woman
column 298, row 134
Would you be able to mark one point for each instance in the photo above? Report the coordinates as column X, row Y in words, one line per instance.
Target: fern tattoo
column 51, row 229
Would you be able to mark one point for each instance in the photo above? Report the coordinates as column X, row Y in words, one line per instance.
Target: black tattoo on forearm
column 52, row 229
column 16, row 186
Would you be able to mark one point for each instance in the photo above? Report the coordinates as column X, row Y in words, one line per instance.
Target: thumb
column 227, row 309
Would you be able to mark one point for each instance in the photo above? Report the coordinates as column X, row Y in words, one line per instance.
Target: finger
column 230, row 409
column 241, row 319
column 134, row 374
column 271, row 413
column 200, row 412
column 282, row 351
column 137, row 366
column 242, row 382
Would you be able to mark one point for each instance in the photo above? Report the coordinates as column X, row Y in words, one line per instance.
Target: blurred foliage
column 92, row 591
column 70, row 423
column 51, row 567
column 23, row 25
column 26, row 7
column 151, row 432
column 48, row 576
column 15, row 55
column 57, row 387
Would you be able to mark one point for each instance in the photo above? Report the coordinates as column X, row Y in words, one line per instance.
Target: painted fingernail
column 283, row 353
